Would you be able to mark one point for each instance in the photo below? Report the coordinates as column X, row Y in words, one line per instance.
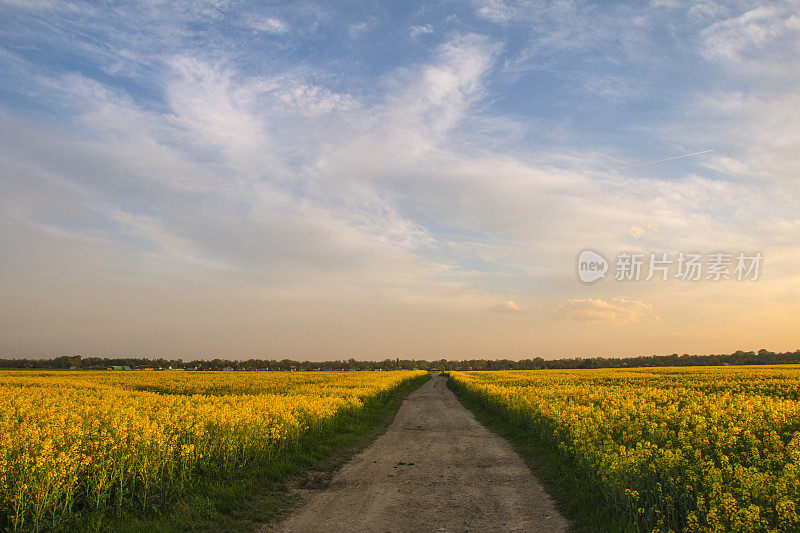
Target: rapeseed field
column 673, row 449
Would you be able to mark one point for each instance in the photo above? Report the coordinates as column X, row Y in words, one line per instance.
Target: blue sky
column 416, row 179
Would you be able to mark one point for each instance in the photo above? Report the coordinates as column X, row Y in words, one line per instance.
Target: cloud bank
column 195, row 177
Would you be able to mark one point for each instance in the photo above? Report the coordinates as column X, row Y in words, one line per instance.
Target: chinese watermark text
column 686, row 266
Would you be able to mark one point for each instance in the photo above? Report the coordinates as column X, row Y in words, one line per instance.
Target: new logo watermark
column 591, row 266
column 686, row 266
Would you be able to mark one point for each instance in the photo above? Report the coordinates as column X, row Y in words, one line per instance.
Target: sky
column 395, row 179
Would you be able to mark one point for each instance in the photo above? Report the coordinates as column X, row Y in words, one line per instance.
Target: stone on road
column 435, row 469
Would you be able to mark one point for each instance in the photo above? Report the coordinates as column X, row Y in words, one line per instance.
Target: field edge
column 256, row 499
column 575, row 498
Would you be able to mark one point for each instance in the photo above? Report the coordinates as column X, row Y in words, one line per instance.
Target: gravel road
column 435, row 469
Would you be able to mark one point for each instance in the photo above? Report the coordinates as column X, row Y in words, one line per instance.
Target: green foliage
column 762, row 357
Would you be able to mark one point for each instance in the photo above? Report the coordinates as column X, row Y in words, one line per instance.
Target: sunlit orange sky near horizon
column 319, row 181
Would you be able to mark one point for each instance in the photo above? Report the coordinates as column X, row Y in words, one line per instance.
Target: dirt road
column 435, row 469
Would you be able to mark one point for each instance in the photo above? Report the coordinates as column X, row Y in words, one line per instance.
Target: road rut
column 435, row 469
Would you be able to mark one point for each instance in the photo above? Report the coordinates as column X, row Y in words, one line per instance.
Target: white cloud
column 494, row 10
column 359, row 29
column 619, row 310
column 410, row 187
column 313, row 100
column 417, row 31
column 731, row 39
column 268, row 25
column 209, row 102
column 432, row 100
column 508, row 307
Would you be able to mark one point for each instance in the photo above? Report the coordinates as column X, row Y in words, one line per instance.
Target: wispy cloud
column 618, row 310
column 508, row 307
column 737, row 38
column 391, row 170
column 268, row 25
column 417, row 31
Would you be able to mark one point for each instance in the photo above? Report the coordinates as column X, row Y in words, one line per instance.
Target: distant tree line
column 76, row 362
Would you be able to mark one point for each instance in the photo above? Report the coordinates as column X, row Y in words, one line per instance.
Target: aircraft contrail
column 667, row 159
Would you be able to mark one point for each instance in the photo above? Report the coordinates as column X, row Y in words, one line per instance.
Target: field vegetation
column 673, row 449
column 78, row 447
